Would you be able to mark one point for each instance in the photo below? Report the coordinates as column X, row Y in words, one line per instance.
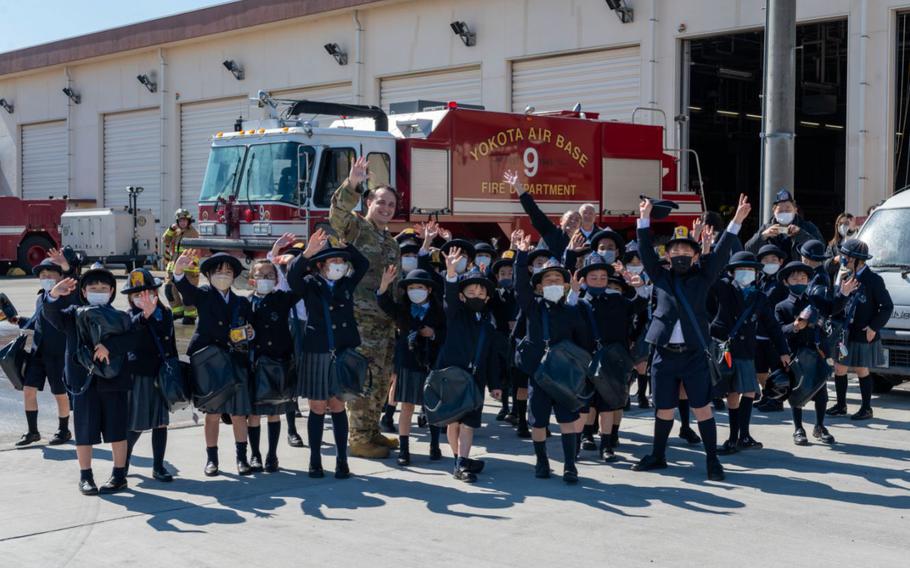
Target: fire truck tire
column 32, row 250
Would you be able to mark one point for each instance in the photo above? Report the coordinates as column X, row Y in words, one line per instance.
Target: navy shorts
column 670, row 369
column 472, row 419
column 519, row 378
column 41, row 370
column 100, row 415
column 541, row 405
column 766, row 357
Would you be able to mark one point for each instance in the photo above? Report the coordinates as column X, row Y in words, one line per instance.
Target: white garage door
column 605, row 81
column 198, row 123
column 132, row 156
column 460, row 85
column 45, row 164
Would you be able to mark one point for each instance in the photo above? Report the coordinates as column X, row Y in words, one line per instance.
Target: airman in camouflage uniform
column 371, row 236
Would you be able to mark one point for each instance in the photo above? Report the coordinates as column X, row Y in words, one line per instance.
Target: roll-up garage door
column 606, row 81
column 45, row 163
column 198, row 123
column 132, row 156
column 460, row 85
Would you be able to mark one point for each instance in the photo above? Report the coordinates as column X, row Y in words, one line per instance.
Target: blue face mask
column 798, row 289
column 596, row 290
column 505, row 282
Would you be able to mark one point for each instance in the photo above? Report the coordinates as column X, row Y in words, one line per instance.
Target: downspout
column 356, row 81
column 652, row 61
column 861, row 126
column 162, row 158
column 69, row 137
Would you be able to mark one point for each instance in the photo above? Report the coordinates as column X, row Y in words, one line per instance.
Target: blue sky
column 27, row 23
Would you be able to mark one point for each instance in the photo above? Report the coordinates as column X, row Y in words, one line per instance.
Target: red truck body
column 28, row 228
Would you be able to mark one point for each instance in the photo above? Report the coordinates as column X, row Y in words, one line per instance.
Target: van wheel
column 32, row 250
column 881, row 385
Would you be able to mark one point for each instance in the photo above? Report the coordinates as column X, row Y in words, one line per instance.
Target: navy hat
column 330, row 252
column 507, row 259
column 418, row 276
column 465, row 246
column 141, row 279
column 771, row 249
column 537, row 253
column 792, row 267
column 855, row 248
column 814, row 250
column 409, row 234
column 608, row 234
column 552, row 265
column 660, row 208
column 98, row 273
column 627, row 289
column 782, row 195
column 682, row 235
column 46, row 264
column 475, row 276
column 743, row 259
column 211, row 264
column 484, row 247
column 594, row 261
column 631, row 251
column 410, row 248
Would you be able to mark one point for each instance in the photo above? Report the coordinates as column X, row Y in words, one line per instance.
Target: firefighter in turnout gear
column 172, row 247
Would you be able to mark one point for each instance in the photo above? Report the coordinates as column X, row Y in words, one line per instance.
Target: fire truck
column 446, row 161
column 28, row 228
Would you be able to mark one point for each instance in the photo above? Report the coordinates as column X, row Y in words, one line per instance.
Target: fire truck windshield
column 221, row 172
column 270, row 173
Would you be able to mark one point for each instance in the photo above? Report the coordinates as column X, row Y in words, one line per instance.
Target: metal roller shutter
column 460, row 85
column 198, row 123
column 45, row 163
column 606, row 81
column 132, row 156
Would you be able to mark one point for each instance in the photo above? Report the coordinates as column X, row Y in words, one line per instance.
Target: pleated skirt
column 409, row 386
column 315, row 380
column 862, row 354
column 148, row 408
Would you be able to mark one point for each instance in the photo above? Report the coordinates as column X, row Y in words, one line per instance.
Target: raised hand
column 388, row 276
column 102, row 355
column 578, row 241
column 849, row 286
column 515, row 238
column 575, row 283
column 63, row 288
column 184, row 261
column 56, row 256
column 283, row 241
column 358, row 171
column 644, row 209
column 511, row 178
column 743, row 210
column 315, row 243
column 524, row 244
column 430, row 231
column 452, row 259
column 445, row 233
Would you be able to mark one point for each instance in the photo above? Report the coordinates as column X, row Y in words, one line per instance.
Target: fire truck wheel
column 32, row 250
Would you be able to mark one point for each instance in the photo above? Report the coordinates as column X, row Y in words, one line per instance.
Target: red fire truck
column 447, row 163
column 28, row 228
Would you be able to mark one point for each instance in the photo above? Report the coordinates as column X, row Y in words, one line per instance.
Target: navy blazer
column 47, row 342
column 216, row 317
column 731, row 303
column 271, row 322
column 316, row 291
column 504, row 307
column 786, row 312
column 615, row 316
column 420, row 353
column 872, row 306
column 695, row 284
column 145, row 359
column 555, row 238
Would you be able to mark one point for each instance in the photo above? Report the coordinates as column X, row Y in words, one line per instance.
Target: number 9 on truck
column 531, row 160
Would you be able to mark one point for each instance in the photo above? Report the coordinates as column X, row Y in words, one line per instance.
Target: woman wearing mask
column 787, row 230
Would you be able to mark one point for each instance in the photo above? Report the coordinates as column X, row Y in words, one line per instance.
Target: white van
column 887, row 232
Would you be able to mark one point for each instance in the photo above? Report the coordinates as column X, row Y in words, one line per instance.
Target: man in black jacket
column 787, row 230
column 679, row 342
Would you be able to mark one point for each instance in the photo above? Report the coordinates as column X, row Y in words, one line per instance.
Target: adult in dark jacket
column 556, row 238
column 786, row 230
column 679, row 360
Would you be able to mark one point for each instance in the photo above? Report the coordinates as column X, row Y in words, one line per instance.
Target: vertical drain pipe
column 357, row 80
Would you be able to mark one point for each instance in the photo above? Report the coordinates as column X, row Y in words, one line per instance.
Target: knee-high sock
column 684, row 413
column 797, row 418
column 745, row 415
column 240, row 448
column 274, row 433
column 661, row 434
column 820, row 403
column 569, row 450
column 733, row 413
column 708, row 431
column 314, row 426
column 253, row 433
column 521, row 410
column 131, row 439
column 865, row 390
column 31, row 417
column 159, row 445
column 340, row 431
column 434, row 436
column 840, row 387
column 290, row 416
column 643, row 379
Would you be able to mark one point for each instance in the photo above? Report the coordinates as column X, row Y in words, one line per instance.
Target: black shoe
column 719, row 404
column 689, row 435
column 404, row 458
column 862, row 414
column 422, row 421
column 523, row 432
column 256, row 464
column 211, row 469
column 542, row 469
column 512, row 418
column 294, row 440
column 643, row 402
column 388, row 423
column 226, row 418
column 607, row 454
column 88, row 487
column 113, row 485
column 650, row 463
column 715, row 470
column 821, row 434
column 189, row 320
column 727, row 448
column 27, row 439
column 475, row 466
column 570, row 476
column 60, row 437
column 502, row 414
column 462, row 474
column 587, row 443
column 342, row 471
column 271, row 464
column 435, row 453
column 837, row 410
column 316, row 472
column 799, row 437
column 162, row 475
column 749, row 443
column 243, row 467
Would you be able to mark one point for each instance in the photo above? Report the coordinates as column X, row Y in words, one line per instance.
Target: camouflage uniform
column 376, row 328
column 172, row 248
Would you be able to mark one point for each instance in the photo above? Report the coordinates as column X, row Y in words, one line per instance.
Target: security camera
column 625, row 13
column 147, row 81
column 7, row 106
column 462, row 30
column 335, row 51
column 73, row 95
column 235, row 69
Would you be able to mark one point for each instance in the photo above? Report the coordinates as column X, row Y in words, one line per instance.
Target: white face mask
column 222, row 282
column 408, row 263
column 418, row 296
column 785, row 218
column 554, row 292
column 609, row 291
column 482, row 261
column 264, row 285
column 47, row 284
column 461, row 266
column 636, row 269
column 536, row 269
column 97, row 298
column 337, row 271
column 770, row 269
column 744, row 277
column 844, row 230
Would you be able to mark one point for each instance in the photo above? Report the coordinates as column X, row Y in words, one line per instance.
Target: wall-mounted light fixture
column 7, row 106
column 148, row 82
column 624, row 12
column 462, row 30
column 234, row 67
column 335, row 51
column 73, row 95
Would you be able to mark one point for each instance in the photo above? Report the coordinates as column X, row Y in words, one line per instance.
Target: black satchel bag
column 563, row 371
column 216, row 377
column 610, row 367
column 451, row 392
column 173, row 380
column 350, row 369
column 717, row 377
column 272, row 380
column 722, row 355
column 94, row 324
column 810, row 372
column 14, row 360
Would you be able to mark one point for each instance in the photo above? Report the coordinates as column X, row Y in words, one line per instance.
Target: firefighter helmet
column 183, row 214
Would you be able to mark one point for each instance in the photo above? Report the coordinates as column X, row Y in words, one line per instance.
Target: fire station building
column 87, row 116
